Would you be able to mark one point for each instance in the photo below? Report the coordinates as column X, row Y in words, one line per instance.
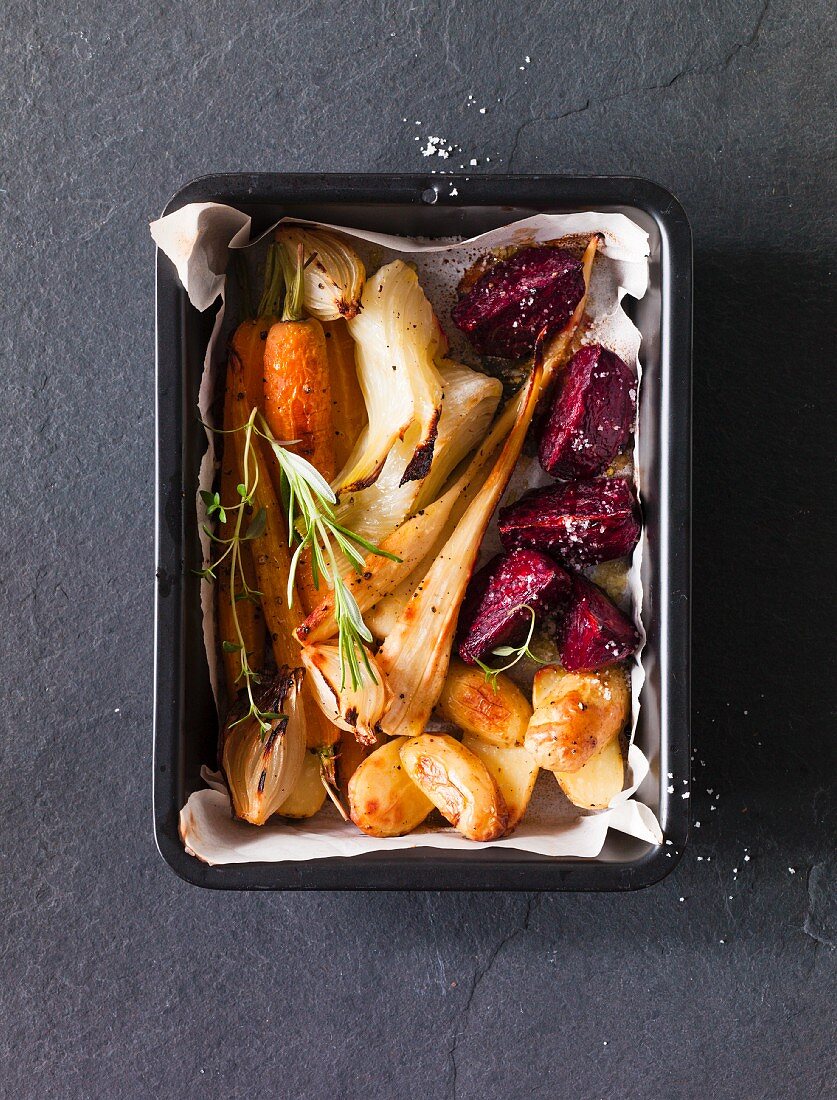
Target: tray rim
column 480, row 870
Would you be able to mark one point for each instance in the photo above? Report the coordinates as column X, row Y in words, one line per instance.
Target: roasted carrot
column 297, row 390
column 272, row 562
column 347, row 403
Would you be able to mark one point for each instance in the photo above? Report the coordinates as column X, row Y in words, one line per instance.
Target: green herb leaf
column 258, row 525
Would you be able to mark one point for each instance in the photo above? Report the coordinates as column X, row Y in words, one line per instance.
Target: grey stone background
column 118, row 980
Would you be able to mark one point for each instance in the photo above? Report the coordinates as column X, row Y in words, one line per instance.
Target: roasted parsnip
column 498, row 715
column 383, row 800
column 458, row 784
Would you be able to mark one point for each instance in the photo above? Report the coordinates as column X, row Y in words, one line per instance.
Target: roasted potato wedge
column 383, row 800
column 576, row 714
column 498, row 716
column 598, row 781
column 308, row 793
column 514, row 771
column 458, row 784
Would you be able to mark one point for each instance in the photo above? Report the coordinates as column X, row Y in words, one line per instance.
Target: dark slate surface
column 118, row 979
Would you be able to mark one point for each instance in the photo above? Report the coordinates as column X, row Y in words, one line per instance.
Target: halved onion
column 333, row 280
column 358, row 711
column 262, row 766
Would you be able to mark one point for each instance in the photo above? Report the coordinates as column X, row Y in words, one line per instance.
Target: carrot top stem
column 293, row 266
column 274, row 283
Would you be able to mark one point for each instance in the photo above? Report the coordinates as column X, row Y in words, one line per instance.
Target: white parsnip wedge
column 383, row 800
column 458, row 784
column 514, row 771
column 599, row 780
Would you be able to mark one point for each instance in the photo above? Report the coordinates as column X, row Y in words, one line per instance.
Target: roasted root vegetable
column 333, row 272
column 594, row 632
column 512, row 768
column 597, row 782
column 575, row 715
column 498, row 714
column 508, row 307
column 272, row 564
column 297, row 390
column 397, row 340
column 308, row 793
column 383, row 800
column 458, row 784
column 261, row 765
column 348, row 411
column 591, row 415
column 416, row 654
column 581, row 523
column 414, row 545
column 356, row 709
column 503, row 597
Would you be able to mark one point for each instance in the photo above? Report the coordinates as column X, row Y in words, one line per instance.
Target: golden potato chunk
column 499, row 716
column 512, row 768
column 383, row 800
column 308, row 793
column 576, row 714
column 598, row 781
column 458, row 784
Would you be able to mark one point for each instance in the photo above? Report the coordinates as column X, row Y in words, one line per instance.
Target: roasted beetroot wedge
column 594, row 633
column 591, row 416
column 509, row 306
column 581, row 523
column 494, row 611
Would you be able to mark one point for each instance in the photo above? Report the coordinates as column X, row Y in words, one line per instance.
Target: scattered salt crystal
column 671, row 789
column 472, row 162
column 720, row 941
column 685, row 794
column 682, row 899
column 792, row 870
column 746, row 859
column 700, row 859
column 482, row 112
column 453, row 191
column 697, row 824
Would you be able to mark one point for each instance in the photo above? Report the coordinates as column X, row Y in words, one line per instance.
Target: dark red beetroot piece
column 594, row 633
column 507, row 308
column 493, row 611
column 591, row 416
column 582, row 523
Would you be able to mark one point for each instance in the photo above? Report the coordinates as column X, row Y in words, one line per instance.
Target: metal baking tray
column 185, row 726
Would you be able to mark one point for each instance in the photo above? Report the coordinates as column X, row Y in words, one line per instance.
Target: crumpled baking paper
column 198, row 239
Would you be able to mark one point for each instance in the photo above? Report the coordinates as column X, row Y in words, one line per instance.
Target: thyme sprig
column 239, row 588
column 515, row 652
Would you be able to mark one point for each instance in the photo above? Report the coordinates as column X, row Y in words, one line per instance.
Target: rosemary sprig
column 516, row 652
column 309, row 500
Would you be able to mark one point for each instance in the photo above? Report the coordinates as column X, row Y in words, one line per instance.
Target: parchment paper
column 198, row 240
